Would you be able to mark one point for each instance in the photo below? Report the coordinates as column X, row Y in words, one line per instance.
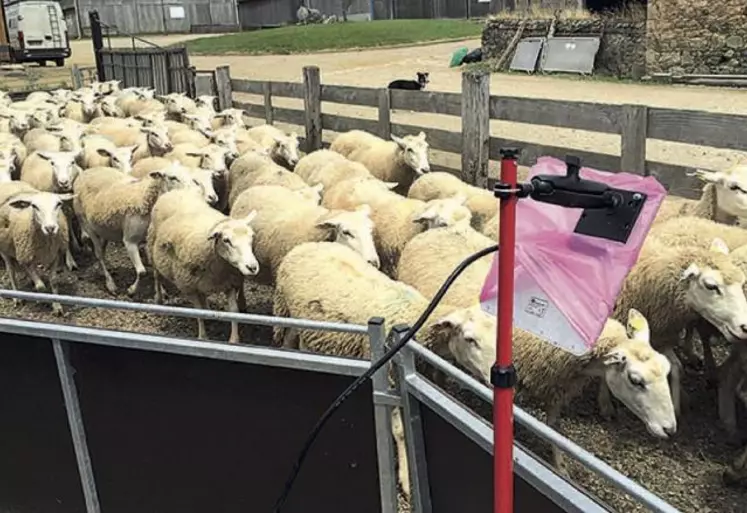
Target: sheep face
column 18, row 121
column 7, row 164
column 41, row 118
column 46, row 208
column 637, row 375
column 177, row 103
column 233, row 239
column 119, row 158
column 470, row 333
column 414, row 150
column 151, row 118
column 87, row 100
column 206, row 101
column 176, row 176
column 714, row 289
column 212, row 157
column 5, row 100
column 158, row 140
column 64, row 169
column 444, row 212
column 227, row 139
column 731, row 188
column 231, row 117
column 109, row 107
column 286, row 148
column 199, row 123
column 204, row 178
column 354, row 230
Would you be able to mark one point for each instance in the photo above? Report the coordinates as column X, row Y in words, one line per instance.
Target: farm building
column 153, row 16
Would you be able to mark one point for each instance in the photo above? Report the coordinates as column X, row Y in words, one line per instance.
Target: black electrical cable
column 374, row 367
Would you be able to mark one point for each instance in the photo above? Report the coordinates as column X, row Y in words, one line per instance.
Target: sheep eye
column 347, row 233
column 227, row 241
column 736, row 187
column 470, row 340
column 711, row 286
column 636, row 381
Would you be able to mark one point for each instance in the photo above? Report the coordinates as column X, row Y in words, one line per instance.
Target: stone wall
column 697, row 36
column 622, row 50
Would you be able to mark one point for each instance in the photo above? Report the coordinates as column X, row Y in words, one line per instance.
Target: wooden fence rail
column 635, row 124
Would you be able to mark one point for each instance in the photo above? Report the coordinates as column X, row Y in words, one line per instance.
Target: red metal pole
column 504, row 377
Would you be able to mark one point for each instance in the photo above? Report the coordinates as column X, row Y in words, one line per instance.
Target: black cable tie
column 503, row 377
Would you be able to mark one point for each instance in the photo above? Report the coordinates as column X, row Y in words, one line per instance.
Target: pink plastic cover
column 566, row 284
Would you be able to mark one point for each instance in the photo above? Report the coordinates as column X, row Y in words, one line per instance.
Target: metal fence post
column 413, row 424
column 312, row 102
column 383, row 403
column 223, row 87
column 77, row 76
column 75, row 419
column 97, row 39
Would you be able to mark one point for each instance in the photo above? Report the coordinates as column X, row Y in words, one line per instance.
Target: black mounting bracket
column 609, row 213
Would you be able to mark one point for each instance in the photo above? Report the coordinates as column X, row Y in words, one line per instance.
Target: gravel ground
column 685, row 471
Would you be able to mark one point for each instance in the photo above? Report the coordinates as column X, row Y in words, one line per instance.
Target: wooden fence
column 476, row 107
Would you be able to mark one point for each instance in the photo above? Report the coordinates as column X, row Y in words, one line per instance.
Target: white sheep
column 211, row 156
column 201, row 251
column 81, row 107
column 60, row 137
column 33, row 234
column 14, row 144
column 724, row 197
column 396, row 219
column 400, row 160
column 283, row 147
column 252, row 169
column 98, row 151
column 285, row 219
column 151, row 141
column 547, row 373
column 7, row 165
column 327, row 167
column 675, row 286
column 177, row 104
column 348, row 142
column 228, row 117
column 112, row 206
column 50, row 171
column 13, row 121
column 481, row 202
column 205, row 178
column 206, row 101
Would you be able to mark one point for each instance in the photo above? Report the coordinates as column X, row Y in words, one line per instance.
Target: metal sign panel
column 526, row 55
column 569, row 54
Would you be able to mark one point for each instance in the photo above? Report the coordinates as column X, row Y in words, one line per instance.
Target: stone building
column 697, row 36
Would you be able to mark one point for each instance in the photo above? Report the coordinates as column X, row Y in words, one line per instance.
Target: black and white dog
column 412, row 85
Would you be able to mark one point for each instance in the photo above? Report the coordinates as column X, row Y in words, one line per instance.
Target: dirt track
column 685, row 470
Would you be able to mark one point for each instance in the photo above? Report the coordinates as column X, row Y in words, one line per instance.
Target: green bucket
column 458, row 56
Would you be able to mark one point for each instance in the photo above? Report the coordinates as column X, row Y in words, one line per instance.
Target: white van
column 37, row 32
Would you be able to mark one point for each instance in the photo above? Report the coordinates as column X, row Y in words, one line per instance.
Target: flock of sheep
column 363, row 229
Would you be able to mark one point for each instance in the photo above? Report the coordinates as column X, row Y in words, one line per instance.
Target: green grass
column 335, row 36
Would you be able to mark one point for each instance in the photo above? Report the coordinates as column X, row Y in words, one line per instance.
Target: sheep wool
column 699, row 232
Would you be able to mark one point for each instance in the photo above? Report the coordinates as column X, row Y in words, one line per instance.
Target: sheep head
column 638, row 376
column 64, row 168
column 233, row 239
column 470, row 338
column 45, row 207
column 353, row 229
column 714, row 289
column 414, row 151
column 444, row 212
column 286, row 149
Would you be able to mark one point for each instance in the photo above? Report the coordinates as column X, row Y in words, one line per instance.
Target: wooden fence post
column 633, row 126
column 385, row 111
column 223, row 87
column 77, row 77
column 312, row 102
column 475, row 127
column 267, row 90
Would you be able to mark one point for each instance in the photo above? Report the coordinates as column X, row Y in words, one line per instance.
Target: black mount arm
column 609, row 213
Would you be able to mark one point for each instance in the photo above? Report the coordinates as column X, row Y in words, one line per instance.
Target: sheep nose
column 744, row 328
column 375, row 262
column 670, row 430
column 50, row 229
column 253, row 268
column 212, row 199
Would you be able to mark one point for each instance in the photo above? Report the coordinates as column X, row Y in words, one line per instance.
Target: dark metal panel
column 461, row 473
column 170, row 433
column 38, row 470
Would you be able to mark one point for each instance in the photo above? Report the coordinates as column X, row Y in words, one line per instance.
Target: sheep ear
column 719, row 246
column 250, row 216
column 365, row 208
column 421, row 135
column 692, row 271
column 328, row 224
column 194, row 154
column 319, row 188
column 103, row 152
column 708, row 176
column 425, row 216
column 214, row 235
column 20, row 204
column 615, row 357
column 400, row 142
column 44, row 155
column 452, row 321
column 391, row 185
column 637, row 326
column 157, row 174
